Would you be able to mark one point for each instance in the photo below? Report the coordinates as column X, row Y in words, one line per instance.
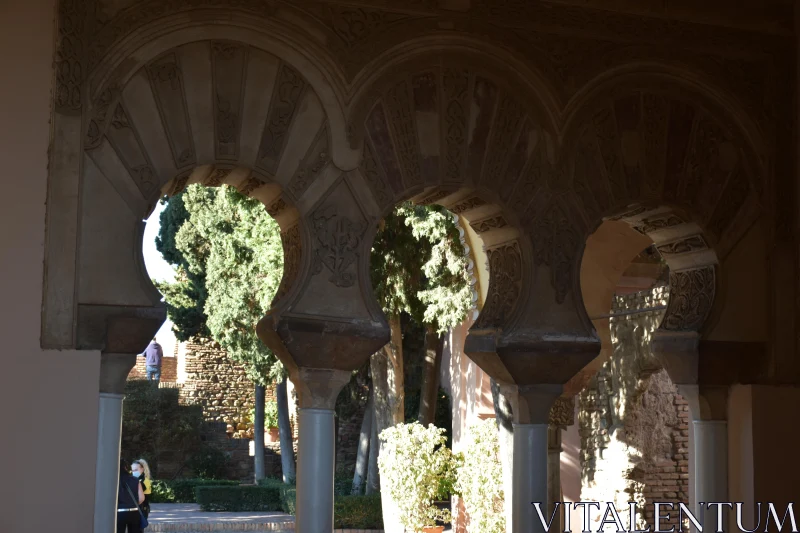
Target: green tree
column 228, row 252
column 186, row 297
column 418, row 267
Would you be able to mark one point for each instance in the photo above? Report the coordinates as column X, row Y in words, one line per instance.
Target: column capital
column 114, row 370
column 706, row 402
column 531, row 404
column 678, row 352
column 318, row 388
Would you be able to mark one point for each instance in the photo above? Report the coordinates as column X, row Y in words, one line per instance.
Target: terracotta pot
column 433, row 529
column 274, row 435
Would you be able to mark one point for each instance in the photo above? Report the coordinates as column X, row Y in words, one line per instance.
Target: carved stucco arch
column 451, row 129
column 278, row 37
column 213, row 112
column 648, row 142
column 658, row 155
column 536, row 91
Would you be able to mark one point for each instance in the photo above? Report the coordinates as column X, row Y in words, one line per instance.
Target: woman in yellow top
column 141, row 471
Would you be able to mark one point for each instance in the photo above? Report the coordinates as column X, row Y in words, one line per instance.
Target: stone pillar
column 114, row 370
column 109, row 434
column 708, row 409
column 318, row 389
column 554, row 475
column 531, row 408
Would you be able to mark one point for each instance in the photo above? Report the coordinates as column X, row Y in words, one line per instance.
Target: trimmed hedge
column 288, row 493
column 183, row 490
column 239, row 499
column 358, row 512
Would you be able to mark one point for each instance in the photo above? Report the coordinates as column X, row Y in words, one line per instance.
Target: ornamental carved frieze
column 555, row 238
column 289, row 89
column 292, row 256
column 74, row 21
column 687, row 245
column 563, row 412
column 489, row 223
column 691, row 296
column 336, row 248
column 315, row 160
column 641, row 146
column 99, row 117
column 505, row 284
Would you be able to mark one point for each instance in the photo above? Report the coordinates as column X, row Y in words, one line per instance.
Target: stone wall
column 169, row 369
column 633, row 423
column 220, row 385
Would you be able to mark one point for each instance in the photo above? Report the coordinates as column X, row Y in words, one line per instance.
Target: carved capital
column 531, row 404
column 706, row 402
column 114, row 370
column 318, row 388
column 522, row 360
column 118, row 329
column 319, row 342
column 678, row 353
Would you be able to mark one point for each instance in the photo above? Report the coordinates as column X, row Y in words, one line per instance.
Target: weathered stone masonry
column 220, row 385
column 633, row 423
column 169, row 369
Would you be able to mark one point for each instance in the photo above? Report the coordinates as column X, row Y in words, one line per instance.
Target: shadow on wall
column 633, row 423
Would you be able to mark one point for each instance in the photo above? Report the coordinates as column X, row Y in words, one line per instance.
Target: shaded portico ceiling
column 337, row 112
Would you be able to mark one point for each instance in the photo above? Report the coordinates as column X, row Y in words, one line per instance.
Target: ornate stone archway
column 532, row 123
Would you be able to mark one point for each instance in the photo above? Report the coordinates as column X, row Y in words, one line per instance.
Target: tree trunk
column 258, row 430
column 373, row 477
column 503, row 416
column 285, row 428
column 364, row 437
column 434, row 346
column 386, row 369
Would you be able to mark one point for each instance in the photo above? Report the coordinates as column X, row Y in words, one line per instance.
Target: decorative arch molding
column 664, row 145
column 439, row 50
column 276, row 37
column 681, row 81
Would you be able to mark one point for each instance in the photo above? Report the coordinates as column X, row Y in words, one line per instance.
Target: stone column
column 708, row 409
column 554, row 475
column 114, row 370
column 531, row 407
column 318, row 389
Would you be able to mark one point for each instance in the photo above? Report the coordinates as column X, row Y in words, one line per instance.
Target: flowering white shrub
column 480, row 479
column 412, row 462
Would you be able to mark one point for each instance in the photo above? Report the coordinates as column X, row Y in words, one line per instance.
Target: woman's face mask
column 136, row 472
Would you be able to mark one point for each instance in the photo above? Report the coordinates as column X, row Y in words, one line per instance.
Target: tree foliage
column 228, row 253
column 186, row 297
column 419, row 266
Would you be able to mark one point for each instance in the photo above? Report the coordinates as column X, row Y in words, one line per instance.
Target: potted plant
column 413, row 462
column 271, row 421
column 480, row 478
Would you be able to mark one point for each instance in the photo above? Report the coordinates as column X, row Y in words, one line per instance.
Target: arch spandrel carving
column 640, row 145
column 438, row 120
column 328, row 318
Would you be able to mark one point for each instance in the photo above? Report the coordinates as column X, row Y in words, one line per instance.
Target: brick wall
column 169, row 369
column 220, row 385
column 634, row 426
